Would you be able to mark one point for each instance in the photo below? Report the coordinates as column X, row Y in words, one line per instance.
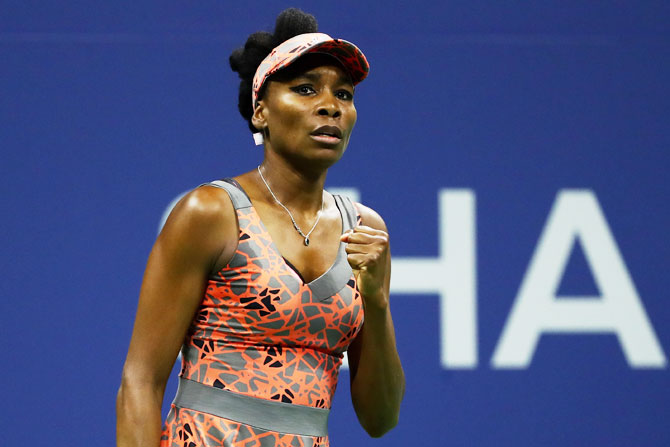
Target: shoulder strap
column 348, row 211
column 237, row 196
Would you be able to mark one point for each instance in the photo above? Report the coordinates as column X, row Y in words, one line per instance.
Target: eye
column 304, row 89
column 344, row 95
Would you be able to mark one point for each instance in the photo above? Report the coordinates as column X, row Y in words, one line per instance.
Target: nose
column 329, row 107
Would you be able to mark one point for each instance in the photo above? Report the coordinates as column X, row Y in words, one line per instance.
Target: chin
column 322, row 158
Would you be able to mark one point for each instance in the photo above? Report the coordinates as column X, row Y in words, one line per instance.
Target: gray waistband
column 262, row 413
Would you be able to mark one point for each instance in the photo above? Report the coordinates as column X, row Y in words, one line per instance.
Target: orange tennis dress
column 261, row 358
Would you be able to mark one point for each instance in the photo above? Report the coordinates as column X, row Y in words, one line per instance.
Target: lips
column 328, row 131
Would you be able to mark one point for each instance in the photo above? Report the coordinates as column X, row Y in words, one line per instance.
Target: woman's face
column 307, row 111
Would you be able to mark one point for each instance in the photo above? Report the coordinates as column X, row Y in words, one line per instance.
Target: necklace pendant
column 306, row 241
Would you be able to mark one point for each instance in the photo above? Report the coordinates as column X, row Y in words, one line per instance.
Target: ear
column 258, row 118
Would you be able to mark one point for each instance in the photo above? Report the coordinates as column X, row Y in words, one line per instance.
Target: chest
column 308, row 261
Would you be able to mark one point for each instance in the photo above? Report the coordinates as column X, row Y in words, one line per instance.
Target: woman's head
column 294, row 37
column 307, row 112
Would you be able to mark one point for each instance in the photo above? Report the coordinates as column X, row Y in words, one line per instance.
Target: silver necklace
column 295, row 224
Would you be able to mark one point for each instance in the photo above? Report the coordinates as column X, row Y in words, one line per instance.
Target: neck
column 299, row 190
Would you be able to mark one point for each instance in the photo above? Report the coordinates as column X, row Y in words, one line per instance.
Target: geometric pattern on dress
column 260, row 332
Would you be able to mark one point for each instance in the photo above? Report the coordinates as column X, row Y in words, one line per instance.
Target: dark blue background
column 108, row 110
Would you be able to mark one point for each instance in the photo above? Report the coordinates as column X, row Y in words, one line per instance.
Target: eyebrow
column 315, row 77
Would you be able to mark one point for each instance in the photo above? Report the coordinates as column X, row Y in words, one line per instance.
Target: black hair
column 245, row 60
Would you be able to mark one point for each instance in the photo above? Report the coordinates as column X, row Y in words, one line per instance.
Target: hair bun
column 291, row 22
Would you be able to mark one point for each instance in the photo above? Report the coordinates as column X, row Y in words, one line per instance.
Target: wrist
column 377, row 302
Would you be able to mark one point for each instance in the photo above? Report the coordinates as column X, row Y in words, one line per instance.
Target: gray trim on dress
column 261, row 413
column 331, row 282
column 239, row 198
column 347, row 210
column 339, row 274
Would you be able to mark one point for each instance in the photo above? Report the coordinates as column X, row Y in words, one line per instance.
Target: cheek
column 352, row 116
column 287, row 112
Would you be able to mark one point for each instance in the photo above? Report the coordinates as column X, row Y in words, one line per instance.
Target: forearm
column 138, row 415
column 379, row 382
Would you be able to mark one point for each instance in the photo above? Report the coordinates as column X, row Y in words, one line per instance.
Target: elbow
column 133, row 392
column 377, row 426
column 124, row 398
column 378, row 430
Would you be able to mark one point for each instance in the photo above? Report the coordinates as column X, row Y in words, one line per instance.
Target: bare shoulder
column 202, row 207
column 203, row 223
column 370, row 217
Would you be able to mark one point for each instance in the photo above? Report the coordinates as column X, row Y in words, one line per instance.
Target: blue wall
column 542, row 127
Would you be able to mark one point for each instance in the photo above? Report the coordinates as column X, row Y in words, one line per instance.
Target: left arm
column 377, row 378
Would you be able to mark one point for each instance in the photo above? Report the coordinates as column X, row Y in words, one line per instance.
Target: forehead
column 311, row 64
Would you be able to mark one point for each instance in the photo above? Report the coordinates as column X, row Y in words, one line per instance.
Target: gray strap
column 238, row 197
column 339, row 274
column 262, row 413
column 348, row 211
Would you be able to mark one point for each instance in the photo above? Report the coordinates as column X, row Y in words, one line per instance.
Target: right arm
column 200, row 232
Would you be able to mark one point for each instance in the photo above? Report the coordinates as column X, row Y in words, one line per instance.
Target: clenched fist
column 368, row 255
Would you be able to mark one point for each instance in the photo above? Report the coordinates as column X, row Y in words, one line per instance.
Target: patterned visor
column 347, row 53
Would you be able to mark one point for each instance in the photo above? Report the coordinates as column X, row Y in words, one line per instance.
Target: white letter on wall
column 618, row 309
column 452, row 275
